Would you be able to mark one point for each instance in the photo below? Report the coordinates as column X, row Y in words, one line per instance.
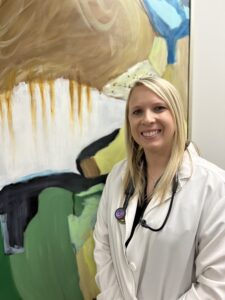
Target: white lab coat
column 186, row 260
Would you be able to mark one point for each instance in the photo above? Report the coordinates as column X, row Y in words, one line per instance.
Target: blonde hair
column 135, row 171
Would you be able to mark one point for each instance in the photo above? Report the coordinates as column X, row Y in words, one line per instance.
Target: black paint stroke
column 93, row 148
column 19, row 201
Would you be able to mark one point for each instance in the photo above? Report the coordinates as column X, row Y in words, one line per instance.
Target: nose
column 148, row 117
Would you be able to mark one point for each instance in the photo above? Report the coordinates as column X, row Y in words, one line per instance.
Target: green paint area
column 81, row 225
column 8, row 290
column 47, row 270
column 84, row 218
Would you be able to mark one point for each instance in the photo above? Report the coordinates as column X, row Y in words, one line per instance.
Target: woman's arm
column 210, row 260
column 105, row 277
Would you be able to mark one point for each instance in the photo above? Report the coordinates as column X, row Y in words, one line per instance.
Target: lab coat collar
column 183, row 175
column 186, row 168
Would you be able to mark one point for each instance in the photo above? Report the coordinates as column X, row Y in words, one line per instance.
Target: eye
column 159, row 108
column 137, row 112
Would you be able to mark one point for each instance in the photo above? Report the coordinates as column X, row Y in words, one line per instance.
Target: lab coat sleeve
column 210, row 260
column 105, row 277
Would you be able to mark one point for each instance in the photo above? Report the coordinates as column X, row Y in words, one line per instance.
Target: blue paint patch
column 166, row 12
column 186, row 2
column 186, row 11
column 5, row 234
column 40, row 174
column 170, row 19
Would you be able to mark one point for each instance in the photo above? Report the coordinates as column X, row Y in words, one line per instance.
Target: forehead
column 143, row 95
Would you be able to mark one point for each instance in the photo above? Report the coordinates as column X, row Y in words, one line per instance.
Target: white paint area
column 57, row 139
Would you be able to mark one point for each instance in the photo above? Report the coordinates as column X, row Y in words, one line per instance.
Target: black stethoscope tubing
column 120, row 213
column 174, row 189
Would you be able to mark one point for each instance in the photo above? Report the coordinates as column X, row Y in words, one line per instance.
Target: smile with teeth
column 151, row 133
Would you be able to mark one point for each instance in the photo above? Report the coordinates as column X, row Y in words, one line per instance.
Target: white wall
column 207, row 76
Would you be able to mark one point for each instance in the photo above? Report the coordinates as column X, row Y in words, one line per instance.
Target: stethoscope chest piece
column 120, row 214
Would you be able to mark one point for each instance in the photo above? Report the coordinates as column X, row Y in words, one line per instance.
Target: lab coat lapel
column 155, row 202
column 183, row 175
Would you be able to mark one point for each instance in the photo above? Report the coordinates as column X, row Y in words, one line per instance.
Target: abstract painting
column 66, row 68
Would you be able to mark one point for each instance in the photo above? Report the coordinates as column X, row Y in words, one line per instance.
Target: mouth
column 151, row 133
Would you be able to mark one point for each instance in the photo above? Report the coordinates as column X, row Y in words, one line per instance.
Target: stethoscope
column 120, row 213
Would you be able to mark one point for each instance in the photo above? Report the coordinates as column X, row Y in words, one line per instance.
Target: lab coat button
column 132, row 266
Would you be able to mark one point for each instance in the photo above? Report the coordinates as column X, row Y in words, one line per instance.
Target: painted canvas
column 66, row 68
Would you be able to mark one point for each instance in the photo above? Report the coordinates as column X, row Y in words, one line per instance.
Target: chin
column 155, row 147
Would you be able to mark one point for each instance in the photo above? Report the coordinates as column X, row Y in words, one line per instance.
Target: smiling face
column 151, row 122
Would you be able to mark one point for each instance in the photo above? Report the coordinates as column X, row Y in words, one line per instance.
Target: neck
column 157, row 160
column 156, row 164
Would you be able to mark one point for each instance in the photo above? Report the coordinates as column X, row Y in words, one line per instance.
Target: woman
column 167, row 239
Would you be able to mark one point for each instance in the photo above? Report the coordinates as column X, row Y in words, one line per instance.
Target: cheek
column 174, row 126
column 130, row 124
column 172, row 123
column 172, row 132
column 133, row 127
column 133, row 132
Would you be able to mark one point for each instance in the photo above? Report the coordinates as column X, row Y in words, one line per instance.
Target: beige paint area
column 86, row 41
column 92, row 42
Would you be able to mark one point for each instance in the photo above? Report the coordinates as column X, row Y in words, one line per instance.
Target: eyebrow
column 136, row 106
column 158, row 102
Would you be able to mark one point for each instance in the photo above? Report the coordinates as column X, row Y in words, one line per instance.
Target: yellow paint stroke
column 1, row 108
column 31, row 86
column 10, row 82
column 87, row 268
column 89, row 102
column 107, row 157
column 72, row 105
column 8, row 100
column 158, row 55
column 79, row 98
column 43, row 100
column 2, row 119
column 52, row 96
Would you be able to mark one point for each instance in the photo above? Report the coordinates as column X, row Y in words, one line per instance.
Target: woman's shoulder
column 119, row 168
column 209, row 169
column 195, row 165
column 116, row 175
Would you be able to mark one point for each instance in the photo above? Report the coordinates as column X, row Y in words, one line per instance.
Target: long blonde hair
column 135, row 171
